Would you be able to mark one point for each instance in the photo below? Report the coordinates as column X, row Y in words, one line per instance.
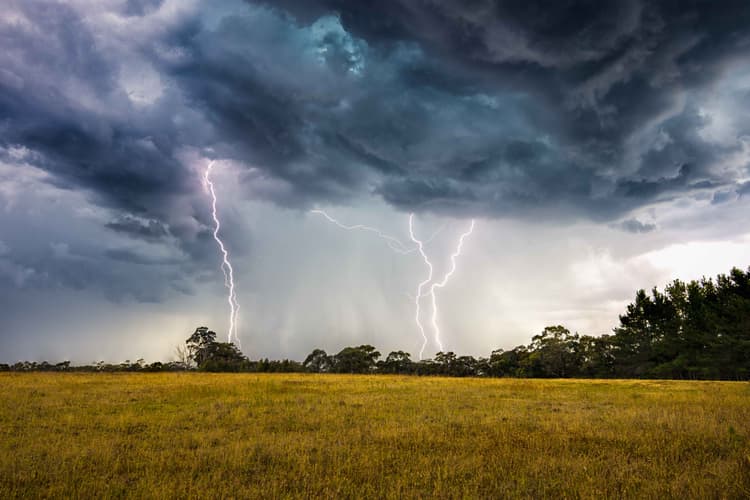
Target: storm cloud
column 480, row 108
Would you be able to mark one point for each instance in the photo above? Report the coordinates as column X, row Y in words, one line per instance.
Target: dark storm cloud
column 623, row 61
column 444, row 99
column 554, row 110
column 60, row 111
column 63, row 101
column 493, row 105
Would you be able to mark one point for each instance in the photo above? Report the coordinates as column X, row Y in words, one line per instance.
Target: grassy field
column 195, row 435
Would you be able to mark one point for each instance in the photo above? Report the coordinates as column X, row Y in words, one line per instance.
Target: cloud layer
column 484, row 108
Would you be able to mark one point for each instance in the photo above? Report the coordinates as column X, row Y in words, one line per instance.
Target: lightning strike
column 434, row 285
column 418, row 296
column 399, row 247
column 226, row 265
column 441, row 284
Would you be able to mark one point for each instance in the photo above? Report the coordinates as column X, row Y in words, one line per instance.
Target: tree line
column 690, row 330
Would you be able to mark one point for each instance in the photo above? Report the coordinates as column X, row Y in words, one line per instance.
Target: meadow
column 196, row 435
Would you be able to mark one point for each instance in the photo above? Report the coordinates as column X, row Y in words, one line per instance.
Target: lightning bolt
column 434, row 285
column 420, row 247
column 226, row 265
column 399, row 247
column 444, row 282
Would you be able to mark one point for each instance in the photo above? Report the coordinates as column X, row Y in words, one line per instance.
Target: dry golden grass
column 195, row 435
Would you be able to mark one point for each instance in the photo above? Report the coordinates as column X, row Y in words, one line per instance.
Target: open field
column 190, row 435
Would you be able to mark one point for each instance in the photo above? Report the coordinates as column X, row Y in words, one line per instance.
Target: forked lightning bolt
column 399, row 247
column 434, row 285
column 418, row 295
column 441, row 284
column 226, row 265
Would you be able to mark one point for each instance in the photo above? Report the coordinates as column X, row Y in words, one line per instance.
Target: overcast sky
column 601, row 147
